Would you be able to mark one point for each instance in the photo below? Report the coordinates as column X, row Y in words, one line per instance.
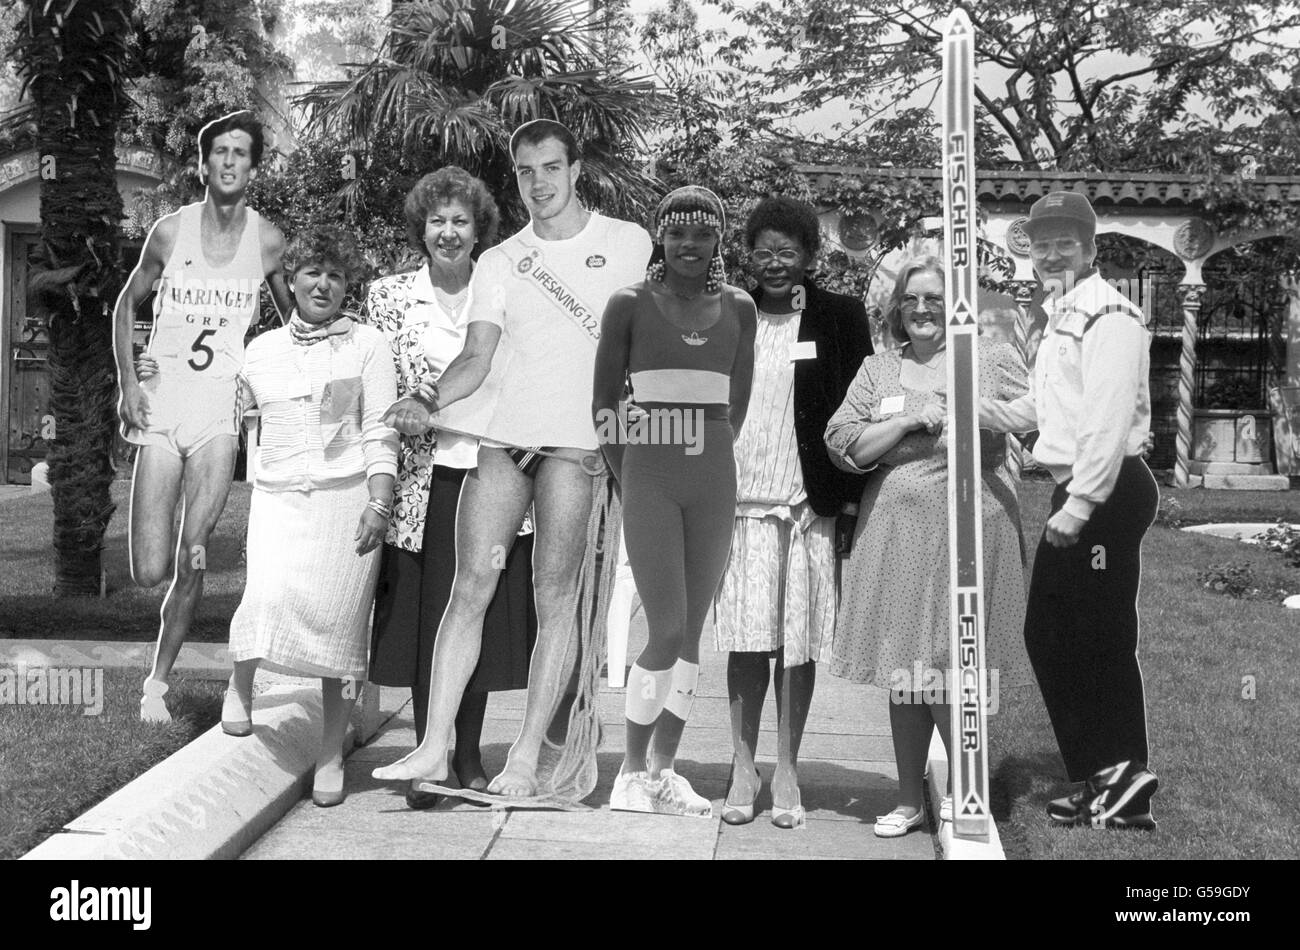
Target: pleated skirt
column 307, row 600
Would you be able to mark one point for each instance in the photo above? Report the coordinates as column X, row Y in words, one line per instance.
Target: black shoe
column 420, row 800
column 1125, row 798
column 1073, row 809
column 1116, row 797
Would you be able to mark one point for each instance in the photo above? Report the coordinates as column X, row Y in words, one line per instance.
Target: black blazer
column 837, row 325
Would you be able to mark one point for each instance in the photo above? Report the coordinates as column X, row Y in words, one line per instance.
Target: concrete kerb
column 206, row 661
column 219, row 794
column 954, row 848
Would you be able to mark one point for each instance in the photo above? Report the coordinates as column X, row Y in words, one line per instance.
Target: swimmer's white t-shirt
column 549, row 297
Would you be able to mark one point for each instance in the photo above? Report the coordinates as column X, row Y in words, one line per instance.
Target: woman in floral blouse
column 451, row 218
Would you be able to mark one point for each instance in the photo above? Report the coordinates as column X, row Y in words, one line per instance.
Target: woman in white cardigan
column 322, row 496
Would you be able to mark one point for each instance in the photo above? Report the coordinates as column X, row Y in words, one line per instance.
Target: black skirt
column 414, row 589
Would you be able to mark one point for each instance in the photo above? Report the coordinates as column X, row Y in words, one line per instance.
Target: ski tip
column 958, row 22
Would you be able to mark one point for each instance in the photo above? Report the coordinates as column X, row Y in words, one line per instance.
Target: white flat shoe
column 945, row 808
column 896, row 824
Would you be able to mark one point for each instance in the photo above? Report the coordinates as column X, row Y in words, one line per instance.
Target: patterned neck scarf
column 306, row 334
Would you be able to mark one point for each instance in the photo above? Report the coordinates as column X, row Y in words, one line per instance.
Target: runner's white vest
column 201, row 312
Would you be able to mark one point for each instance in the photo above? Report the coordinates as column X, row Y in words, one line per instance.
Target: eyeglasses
column 1062, row 245
column 762, row 258
column 909, row 303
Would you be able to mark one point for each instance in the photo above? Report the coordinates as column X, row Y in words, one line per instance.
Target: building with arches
column 1219, row 335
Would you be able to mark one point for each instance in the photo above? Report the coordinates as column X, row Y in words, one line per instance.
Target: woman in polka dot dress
column 892, row 629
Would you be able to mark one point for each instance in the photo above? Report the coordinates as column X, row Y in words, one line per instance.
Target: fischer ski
column 970, row 785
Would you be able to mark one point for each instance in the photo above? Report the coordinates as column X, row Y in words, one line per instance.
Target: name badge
column 803, row 350
column 891, row 405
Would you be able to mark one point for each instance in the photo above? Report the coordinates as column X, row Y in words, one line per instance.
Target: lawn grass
column 28, row 609
column 1228, row 787
column 56, row 762
column 1199, row 506
column 1229, row 783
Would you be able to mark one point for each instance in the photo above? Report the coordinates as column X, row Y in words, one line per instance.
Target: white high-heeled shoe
column 236, row 718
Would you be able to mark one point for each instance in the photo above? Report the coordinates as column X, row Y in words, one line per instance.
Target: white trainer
column 633, row 791
column 676, row 797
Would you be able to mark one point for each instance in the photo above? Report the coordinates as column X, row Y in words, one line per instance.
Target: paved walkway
column 846, row 772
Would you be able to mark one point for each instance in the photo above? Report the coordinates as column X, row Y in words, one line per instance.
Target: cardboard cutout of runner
column 533, row 323
column 965, row 519
column 207, row 262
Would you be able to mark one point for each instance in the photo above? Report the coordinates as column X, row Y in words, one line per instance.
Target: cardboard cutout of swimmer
column 207, row 262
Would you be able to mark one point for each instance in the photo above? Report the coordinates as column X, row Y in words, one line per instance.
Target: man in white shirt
column 536, row 301
column 1090, row 400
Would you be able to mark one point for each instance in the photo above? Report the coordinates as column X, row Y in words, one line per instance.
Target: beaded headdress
column 689, row 205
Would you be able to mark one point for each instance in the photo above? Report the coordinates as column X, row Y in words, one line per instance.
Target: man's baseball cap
column 1061, row 207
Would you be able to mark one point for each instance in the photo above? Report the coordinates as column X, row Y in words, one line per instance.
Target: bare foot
column 419, row 763
column 515, row 781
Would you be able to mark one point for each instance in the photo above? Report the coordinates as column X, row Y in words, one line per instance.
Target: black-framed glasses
column 1062, row 245
column 910, row 303
column 763, row 257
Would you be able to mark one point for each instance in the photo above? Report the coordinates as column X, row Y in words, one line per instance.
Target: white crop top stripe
column 681, row 385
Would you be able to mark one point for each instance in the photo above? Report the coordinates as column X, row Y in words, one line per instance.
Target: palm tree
column 454, row 78
column 71, row 55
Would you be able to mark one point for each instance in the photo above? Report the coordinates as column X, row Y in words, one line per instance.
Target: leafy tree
column 614, row 38
column 318, row 185
column 455, row 77
column 1118, row 84
column 689, row 76
column 716, row 135
column 195, row 60
column 72, row 58
column 17, row 125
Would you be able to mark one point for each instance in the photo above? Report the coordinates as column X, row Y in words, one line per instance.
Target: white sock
column 646, row 692
column 682, row 695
